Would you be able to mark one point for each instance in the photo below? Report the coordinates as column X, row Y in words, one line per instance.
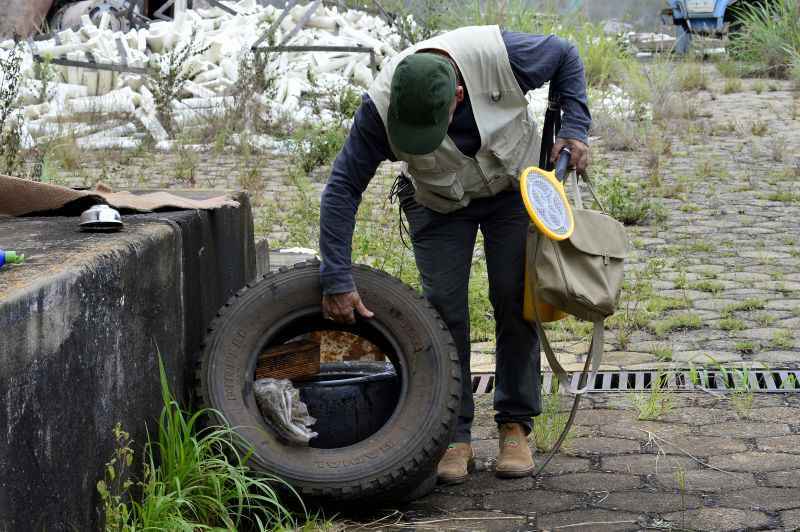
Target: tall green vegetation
column 770, row 35
column 603, row 56
column 194, row 479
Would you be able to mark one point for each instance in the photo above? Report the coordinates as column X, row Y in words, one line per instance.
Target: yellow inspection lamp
column 547, row 205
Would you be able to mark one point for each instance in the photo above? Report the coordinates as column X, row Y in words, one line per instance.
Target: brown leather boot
column 515, row 459
column 456, row 464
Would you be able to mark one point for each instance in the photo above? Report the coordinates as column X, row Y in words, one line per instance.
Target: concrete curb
column 81, row 326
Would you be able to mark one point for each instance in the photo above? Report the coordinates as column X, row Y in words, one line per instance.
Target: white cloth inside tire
column 283, row 410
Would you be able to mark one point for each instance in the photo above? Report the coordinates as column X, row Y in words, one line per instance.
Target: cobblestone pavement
column 700, row 467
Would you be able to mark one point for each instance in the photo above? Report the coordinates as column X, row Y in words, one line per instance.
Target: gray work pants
column 443, row 249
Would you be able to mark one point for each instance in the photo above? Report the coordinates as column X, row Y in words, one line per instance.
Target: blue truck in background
column 701, row 17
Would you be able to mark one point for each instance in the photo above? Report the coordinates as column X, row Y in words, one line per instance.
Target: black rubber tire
column 395, row 459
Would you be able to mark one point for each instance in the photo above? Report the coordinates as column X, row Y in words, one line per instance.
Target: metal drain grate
column 766, row 381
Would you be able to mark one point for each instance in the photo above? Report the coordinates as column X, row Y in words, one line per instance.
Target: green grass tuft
column 659, row 304
column 745, row 346
column 692, row 77
column 663, row 353
column 706, row 285
column 548, row 426
column 770, row 36
column 676, row 323
column 746, row 305
column 194, row 478
column 732, row 85
column 656, row 402
column 782, row 339
column 731, row 324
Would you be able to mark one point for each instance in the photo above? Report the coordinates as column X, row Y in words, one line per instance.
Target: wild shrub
column 549, row 425
column 656, row 402
column 692, row 77
column 43, row 72
column 653, row 87
column 626, row 201
column 769, row 35
column 193, row 478
column 167, row 76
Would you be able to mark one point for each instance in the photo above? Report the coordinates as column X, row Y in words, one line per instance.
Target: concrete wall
column 81, row 326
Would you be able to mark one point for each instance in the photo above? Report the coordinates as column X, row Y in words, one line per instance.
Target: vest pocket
column 446, row 186
column 518, row 154
column 442, row 193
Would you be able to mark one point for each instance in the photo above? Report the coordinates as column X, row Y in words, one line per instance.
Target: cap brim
column 413, row 139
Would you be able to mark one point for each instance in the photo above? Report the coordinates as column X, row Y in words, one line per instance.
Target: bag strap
column 593, row 357
column 594, row 195
column 577, row 201
column 585, row 379
column 552, row 125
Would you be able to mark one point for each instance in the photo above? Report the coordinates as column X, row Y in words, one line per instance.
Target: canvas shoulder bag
column 581, row 275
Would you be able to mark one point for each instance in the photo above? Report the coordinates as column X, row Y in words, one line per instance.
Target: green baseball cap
column 422, row 90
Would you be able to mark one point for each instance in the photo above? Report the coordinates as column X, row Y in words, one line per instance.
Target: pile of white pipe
column 222, row 39
column 77, row 96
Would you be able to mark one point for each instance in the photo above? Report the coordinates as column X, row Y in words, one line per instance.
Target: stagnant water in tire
column 350, row 400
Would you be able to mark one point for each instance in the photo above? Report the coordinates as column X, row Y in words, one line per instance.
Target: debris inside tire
column 283, row 410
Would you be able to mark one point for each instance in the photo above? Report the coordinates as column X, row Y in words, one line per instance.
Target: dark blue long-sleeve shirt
column 535, row 59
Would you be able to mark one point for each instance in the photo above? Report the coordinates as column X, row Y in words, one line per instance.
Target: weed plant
column 745, row 346
column 782, row 339
column 738, row 382
column 636, row 294
column 618, row 134
column 419, row 20
column 692, row 77
column 764, row 319
column 626, row 201
column 604, row 58
column 549, row 425
column 770, row 36
column 731, row 324
column 194, row 479
column 732, row 85
column 759, row 128
column 746, row 305
column 656, row 402
column 707, row 285
column 677, row 322
column 728, row 68
column 663, row 353
column 43, row 72
column 653, row 87
column 315, row 144
column 167, row 76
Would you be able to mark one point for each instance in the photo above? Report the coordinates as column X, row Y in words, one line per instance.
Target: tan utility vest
column 446, row 179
